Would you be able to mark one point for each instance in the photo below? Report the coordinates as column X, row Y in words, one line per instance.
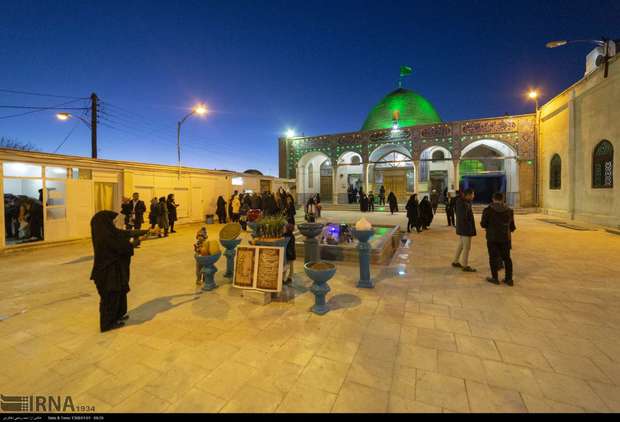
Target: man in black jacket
column 498, row 220
column 465, row 229
column 450, row 206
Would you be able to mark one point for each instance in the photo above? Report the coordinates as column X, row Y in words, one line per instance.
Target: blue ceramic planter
column 311, row 243
column 207, row 263
column 230, row 252
column 319, row 286
column 363, row 247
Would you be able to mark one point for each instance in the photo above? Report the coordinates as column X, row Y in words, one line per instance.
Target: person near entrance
column 465, row 229
column 450, row 207
column 413, row 213
column 434, row 200
column 426, row 213
column 382, row 196
column 498, row 220
column 371, row 202
column 393, row 203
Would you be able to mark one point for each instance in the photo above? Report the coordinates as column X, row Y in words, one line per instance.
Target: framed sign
column 244, row 267
column 259, row 267
column 269, row 269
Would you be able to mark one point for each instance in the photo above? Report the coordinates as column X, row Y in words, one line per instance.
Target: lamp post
column 604, row 42
column 94, row 102
column 199, row 109
column 533, row 95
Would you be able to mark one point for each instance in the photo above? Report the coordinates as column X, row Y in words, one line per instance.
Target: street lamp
column 533, row 95
column 199, row 109
column 605, row 43
column 66, row 116
column 290, row 133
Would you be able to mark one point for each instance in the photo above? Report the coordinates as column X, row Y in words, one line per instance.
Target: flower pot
column 320, row 273
column 207, row 262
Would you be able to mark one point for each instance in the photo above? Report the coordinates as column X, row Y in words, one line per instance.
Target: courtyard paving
column 428, row 338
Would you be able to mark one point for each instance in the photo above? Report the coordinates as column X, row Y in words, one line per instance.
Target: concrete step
column 478, row 208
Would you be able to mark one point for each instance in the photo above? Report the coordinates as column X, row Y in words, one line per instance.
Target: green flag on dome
column 405, row 71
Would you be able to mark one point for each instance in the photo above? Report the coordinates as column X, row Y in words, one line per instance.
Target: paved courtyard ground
column 428, row 338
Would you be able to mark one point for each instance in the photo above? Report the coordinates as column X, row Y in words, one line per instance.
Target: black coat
column 291, row 254
column 413, row 212
column 498, row 220
column 138, row 211
column 220, row 211
column 113, row 253
column 465, row 223
column 426, row 212
column 154, row 214
column 172, row 210
column 393, row 202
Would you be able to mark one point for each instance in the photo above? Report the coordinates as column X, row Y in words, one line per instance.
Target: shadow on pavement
column 147, row 311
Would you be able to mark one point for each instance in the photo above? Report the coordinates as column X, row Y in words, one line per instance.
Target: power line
column 43, row 108
column 40, row 109
column 77, row 123
column 39, row 94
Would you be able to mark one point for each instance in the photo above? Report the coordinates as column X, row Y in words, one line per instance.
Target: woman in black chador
column 113, row 251
column 393, row 203
column 426, row 213
column 221, row 210
column 413, row 213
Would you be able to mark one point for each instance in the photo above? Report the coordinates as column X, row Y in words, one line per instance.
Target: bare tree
column 10, row 143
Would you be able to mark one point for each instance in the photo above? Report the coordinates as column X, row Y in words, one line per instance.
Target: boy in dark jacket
column 465, row 229
column 291, row 255
column 498, row 220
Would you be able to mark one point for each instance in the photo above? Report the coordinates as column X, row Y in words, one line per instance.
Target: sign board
column 259, row 268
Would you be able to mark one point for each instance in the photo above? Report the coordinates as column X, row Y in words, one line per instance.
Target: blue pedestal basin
column 320, row 277
column 207, row 262
column 363, row 247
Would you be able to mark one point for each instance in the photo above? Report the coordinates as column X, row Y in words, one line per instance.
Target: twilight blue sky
column 263, row 66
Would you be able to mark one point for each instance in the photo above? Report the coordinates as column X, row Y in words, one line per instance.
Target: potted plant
column 269, row 231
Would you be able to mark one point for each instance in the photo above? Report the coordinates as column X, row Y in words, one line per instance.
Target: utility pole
column 93, row 124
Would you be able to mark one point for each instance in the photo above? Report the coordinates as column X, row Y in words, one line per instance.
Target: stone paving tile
column 397, row 404
column 227, row 379
column 477, row 346
column 543, row 405
column 436, row 339
column 486, row 399
column 522, row 355
column 250, row 399
column 417, row 357
column 324, row 374
column 569, row 390
column 371, row 373
column 460, row 366
column 197, row 401
column 610, row 394
column 577, row 366
column 357, row 398
column 511, row 377
column 304, row 399
column 442, row 391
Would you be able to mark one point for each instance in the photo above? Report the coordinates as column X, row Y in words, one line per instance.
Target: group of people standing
column 498, row 220
column 419, row 213
column 162, row 213
column 244, row 207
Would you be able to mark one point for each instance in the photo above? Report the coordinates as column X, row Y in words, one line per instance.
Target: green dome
column 413, row 108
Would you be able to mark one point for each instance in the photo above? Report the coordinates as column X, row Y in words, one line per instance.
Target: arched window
column 603, row 165
column 355, row 160
column 438, row 155
column 310, row 175
column 555, row 172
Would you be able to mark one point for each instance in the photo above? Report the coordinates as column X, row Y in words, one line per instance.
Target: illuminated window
column 237, row 181
column 603, row 165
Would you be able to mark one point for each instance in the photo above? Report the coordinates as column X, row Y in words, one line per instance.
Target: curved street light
column 199, row 109
column 604, row 42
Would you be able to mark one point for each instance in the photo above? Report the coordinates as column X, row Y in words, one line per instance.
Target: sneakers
column 493, row 280
column 469, row 269
column 457, row 265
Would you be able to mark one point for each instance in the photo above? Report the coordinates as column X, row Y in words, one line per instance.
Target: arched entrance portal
column 314, row 175
column 489, row 166
column 391, row 167
column 436, row 171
